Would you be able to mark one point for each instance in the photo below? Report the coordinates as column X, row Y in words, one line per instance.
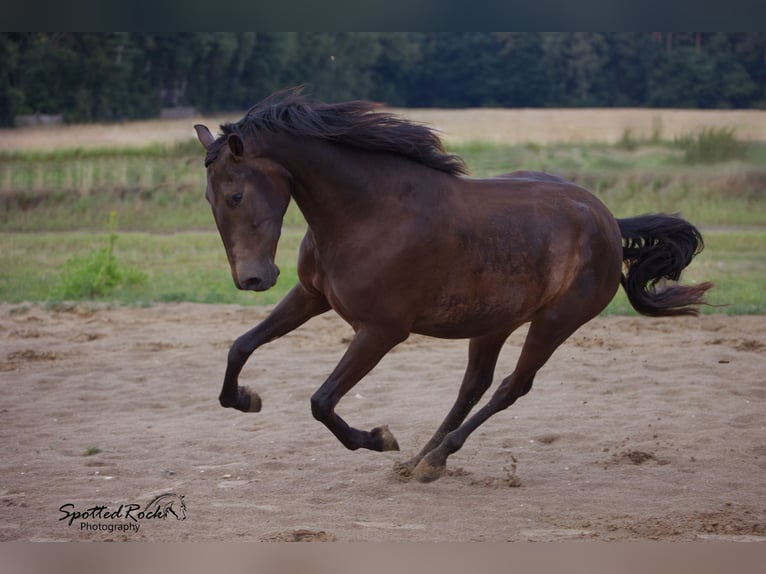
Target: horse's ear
column 236, row 145
column 204, row 135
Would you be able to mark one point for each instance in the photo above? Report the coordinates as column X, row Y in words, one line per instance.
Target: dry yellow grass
column 545, row 126
column 493, row 125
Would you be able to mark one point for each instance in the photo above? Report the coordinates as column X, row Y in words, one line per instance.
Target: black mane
column 355, row 123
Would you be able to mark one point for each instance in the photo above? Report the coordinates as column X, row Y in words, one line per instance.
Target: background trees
column 111, row 76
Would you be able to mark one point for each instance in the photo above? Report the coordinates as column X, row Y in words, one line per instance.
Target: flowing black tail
column 659, row 247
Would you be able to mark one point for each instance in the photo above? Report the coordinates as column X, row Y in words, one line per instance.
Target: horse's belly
column 456, row 316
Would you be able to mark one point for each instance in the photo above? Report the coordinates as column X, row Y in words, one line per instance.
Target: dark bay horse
column 399, row 241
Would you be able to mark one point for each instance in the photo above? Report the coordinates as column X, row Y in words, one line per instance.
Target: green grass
column 152, row 188
column 54, row 207
column 183, row 266
column 653, row 177
column 735, row 261
column 96, row 274
column 91, row 451
column 161, row 188
column 192, row 266
column 712, row 145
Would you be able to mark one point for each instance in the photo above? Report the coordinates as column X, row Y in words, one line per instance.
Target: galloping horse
column 400, row 241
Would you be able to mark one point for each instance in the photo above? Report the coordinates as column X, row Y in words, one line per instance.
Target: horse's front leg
column 296, row 308
column 367, row 348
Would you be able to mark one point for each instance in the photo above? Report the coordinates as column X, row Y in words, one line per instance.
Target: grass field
column 55, row 205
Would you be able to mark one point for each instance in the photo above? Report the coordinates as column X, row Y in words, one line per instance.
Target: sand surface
column 636, row 429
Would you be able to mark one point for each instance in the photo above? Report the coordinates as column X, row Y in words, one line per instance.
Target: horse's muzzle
column 256, row 284
column 260, row 282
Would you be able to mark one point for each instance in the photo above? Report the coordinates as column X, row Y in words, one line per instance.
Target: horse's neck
column 332, row 185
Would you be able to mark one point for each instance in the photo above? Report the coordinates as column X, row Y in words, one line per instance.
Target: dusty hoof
column 255, row 400
column 383, row 439
column 425, row 472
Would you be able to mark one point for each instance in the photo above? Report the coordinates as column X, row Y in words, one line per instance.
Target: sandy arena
column 636, row 429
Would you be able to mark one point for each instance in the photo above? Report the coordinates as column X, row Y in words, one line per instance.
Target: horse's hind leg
column 546, row 332
column 482, row 358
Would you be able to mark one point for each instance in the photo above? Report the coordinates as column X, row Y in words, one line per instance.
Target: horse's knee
column 239, row 352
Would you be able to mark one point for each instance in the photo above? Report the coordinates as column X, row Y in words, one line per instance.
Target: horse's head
column 249, row 196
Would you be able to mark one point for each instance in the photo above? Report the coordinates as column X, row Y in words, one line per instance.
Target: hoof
column 425, row 472
column 383, row 440
column 251, row 399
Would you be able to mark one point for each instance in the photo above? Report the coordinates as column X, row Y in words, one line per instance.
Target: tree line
column 114, row 76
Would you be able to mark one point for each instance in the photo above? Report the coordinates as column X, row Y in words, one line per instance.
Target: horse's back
column 555, row 203
column 531, row 175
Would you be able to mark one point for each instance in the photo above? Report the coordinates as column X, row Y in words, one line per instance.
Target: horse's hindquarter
column 509, row 249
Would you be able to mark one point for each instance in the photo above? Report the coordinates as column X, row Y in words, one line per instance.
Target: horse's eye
column 236, row 199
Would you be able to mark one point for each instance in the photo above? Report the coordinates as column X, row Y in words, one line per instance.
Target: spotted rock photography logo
column 125, row 517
